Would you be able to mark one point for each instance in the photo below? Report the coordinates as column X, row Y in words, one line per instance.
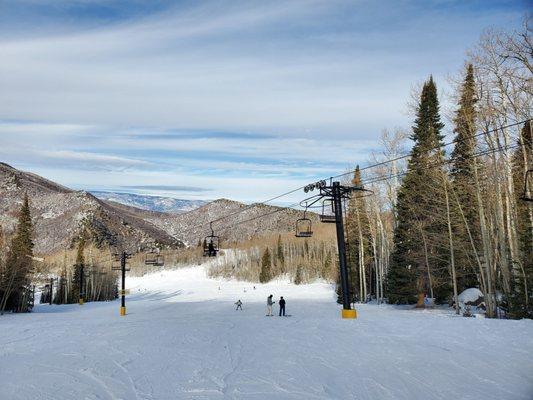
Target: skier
column 270, row 303
column 281, row 306
column 239, row 305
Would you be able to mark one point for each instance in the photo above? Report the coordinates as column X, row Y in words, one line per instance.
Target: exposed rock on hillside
column 59, row 214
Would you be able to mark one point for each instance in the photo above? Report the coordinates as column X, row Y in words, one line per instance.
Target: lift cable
column 385, row 162
column 365, row 182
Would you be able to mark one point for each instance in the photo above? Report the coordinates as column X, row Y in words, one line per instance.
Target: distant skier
column 281, row 306
column 239, row 305
column 270, row 303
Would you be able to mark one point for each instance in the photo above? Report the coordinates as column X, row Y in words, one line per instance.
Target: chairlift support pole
column 82, row 294
column 51, row 290
column 122, row 257
column 337, row 194
column 123, row 297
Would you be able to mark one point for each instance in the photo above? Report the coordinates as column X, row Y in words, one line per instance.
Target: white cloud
column 320, row 78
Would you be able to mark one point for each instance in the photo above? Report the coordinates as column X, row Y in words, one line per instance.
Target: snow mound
column 471, row 296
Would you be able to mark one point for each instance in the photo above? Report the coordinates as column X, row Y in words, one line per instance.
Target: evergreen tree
column 419, row 260
column 266, row 267
column 15, row 279
column 298, row 278
column 279, row 254
column 464, row 184
column 326, row 268
column 520, row 301
column 358, row 238
column 80, row 260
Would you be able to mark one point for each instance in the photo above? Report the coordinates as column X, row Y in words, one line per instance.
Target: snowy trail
column 182, row 339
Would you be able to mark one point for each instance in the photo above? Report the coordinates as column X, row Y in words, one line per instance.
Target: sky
column 235, row 99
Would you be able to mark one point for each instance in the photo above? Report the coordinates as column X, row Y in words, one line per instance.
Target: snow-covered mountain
column 152, row 203
column 59, row 214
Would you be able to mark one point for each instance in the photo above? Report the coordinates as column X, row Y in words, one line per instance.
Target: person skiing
column 270, row 303
column 239, row 305
column 281, row 306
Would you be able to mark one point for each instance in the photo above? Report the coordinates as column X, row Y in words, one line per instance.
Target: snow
column 183, row 339
column 470, row 295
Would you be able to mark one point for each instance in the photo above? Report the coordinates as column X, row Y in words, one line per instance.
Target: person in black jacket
column 281, row 306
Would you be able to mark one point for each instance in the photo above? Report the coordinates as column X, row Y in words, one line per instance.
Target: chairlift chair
column 304, row 227
column 527, row 186
column 160, row 261
column 328, row 212
column 151, row 257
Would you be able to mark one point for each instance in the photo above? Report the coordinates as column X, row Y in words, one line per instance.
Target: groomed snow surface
column 183, row 339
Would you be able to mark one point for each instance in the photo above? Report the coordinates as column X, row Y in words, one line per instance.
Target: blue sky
column 219, row 99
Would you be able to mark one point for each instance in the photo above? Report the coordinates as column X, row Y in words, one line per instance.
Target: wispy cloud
column 216, row 94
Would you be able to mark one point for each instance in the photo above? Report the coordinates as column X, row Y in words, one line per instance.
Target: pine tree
column 520, row 303
column 326, row 268
column 16, row 277
column 418, row 262
column 298, row 278
column 464, row 183
column 266, row 267
column 279, row 254
column 358, row 236
column 80, row 260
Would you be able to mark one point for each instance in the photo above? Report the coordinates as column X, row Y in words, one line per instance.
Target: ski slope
column 182, row 339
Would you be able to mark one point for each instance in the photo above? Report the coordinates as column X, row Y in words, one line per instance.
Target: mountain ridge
column 60, row 215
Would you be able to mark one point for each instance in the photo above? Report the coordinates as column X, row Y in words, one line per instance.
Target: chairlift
column 304, row 226
column 527, row 186
column 328, row 212
column 160, row 261
column 211, row 243
column 151, row 257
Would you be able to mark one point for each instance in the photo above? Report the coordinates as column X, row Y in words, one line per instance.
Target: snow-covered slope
column 152, row 203
column 183, row 339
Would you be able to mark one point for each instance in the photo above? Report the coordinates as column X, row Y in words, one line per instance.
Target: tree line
column 21, row 271
column 455, row 220
column 444, row 218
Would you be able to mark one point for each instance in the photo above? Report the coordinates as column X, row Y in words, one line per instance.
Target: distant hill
column 233, row 221
column 59, row 214
column 152, row 203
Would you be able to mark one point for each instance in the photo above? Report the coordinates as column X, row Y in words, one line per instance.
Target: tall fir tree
column 266, row 267
column 76, row 276
column 15, row 279
column 464, row 198
column 280, row 257
column 418, row 262
column 520, row 302
column 358, row 237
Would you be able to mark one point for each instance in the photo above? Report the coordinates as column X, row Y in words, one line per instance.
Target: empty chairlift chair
column 160, row 261
column 151, row 258
column 527, row 195
column 328, row 211
column 304, row 227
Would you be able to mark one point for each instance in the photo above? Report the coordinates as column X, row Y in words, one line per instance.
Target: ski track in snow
column 183, row 339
